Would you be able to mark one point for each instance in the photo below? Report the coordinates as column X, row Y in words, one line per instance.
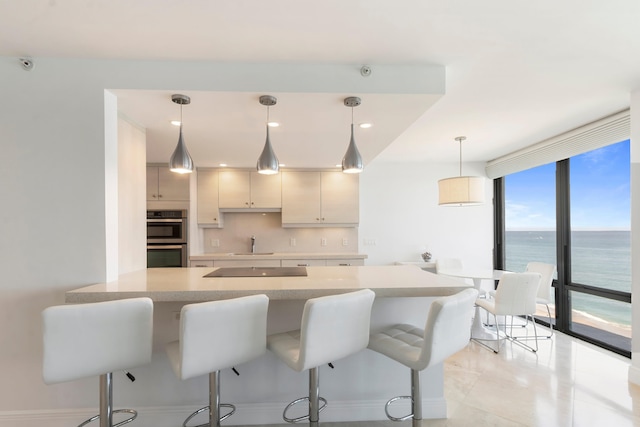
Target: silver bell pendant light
column 268, row 162
column 181, row 161
column 461, row 190
column 352, row 160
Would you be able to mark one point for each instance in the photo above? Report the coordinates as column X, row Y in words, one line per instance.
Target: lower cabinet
column 205, row 263
column 277, row 263
column 345, row 262
column 304, row 262
column 247, row 263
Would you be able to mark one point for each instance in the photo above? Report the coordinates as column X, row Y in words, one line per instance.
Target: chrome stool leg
column 314, row 400
column 105, row 416
column 214, row 405
column 416, row 402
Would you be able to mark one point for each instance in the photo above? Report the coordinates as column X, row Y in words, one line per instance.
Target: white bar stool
column 217, row 335
column 332, row 327
column 447, row 331
column 96, row 339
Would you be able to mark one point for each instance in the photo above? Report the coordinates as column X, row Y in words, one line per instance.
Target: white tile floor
column 567, row 383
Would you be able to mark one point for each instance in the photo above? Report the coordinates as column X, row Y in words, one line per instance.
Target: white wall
column 58, row 232
column 132, row 197
column 400, row 212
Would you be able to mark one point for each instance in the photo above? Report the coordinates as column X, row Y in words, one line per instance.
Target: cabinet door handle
column 344, row 264
column 251, row 203
column 159, row 195
column 303, row 265
column 246, row 203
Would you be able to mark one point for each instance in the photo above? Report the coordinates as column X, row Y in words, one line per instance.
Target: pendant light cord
column 460, row 140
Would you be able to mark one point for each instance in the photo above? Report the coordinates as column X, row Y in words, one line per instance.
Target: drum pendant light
column 352, row 160
column 461, row 190
column 181, row 161
column 268, row 162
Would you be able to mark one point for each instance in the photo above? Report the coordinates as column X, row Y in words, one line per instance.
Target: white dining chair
column 547, row 271
column 515, row 296
column 444, row 264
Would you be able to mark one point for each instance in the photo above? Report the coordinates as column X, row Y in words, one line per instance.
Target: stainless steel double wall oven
column 167, row 238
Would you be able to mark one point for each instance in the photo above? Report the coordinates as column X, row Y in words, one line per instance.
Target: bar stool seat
column 85, row 340
column 332, row 327
column 447, row 331
column 217, row 335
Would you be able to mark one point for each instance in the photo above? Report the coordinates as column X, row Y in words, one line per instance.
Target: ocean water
column 599, row 258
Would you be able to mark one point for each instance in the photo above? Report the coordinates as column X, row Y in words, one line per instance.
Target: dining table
column 478, row 330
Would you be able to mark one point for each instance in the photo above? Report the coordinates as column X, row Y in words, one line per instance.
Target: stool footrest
column 304, row 417
column 395, row 399
column 134, row 415
column 206, row 408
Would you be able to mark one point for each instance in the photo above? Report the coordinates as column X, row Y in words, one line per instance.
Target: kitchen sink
column 251, row 253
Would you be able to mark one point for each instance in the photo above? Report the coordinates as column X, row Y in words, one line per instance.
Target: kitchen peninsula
column 190, row 285
column 356, row 389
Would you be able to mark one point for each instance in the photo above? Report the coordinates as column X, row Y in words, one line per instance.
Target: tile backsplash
column 271, row 237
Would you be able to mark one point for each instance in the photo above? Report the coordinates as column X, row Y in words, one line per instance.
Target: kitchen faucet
column 253, row 244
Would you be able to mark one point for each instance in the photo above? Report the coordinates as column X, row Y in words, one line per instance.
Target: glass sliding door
column 530, row 220
column 600, row 283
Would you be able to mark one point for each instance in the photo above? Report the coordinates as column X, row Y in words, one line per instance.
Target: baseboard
column 246, row 414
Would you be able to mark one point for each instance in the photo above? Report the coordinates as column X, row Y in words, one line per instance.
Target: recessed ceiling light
column 175, row 122
column 273, row 124
column 365, row 125
column 223, row 164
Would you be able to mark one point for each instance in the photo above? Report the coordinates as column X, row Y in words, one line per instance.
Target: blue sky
column 600, row 192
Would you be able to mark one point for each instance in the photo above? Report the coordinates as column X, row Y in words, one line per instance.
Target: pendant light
column 461, row 190
column 352, row 160
column 268, row 162
column 181, row 161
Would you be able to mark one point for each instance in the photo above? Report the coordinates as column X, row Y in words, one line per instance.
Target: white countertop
column 277, row 255
column 189, row 285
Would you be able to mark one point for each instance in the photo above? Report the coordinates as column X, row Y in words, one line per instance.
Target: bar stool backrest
column 217, row 335
column 83, row 340
column 447, row 329
column 334, row 327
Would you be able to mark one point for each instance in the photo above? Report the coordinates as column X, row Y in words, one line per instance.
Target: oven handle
column 165, row 246
column 164, row 220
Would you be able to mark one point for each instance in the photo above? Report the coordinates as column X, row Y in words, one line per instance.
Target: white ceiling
column 517, row 72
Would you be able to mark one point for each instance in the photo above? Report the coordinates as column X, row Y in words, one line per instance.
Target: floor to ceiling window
column 576, row 214
column 600, row 287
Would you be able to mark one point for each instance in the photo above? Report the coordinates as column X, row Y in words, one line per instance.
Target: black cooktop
column 258, row 272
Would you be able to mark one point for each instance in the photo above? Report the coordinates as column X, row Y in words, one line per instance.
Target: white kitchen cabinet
column 247, row 263
column 202, row 263
column 208, row 211
column 344, row 262
column 320, row 198
column 242, row 189
column 164, row 185
column 303, row 263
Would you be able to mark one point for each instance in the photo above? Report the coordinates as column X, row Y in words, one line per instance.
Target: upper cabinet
column 164, row 185
column 242, row 189
column 320, row 198
column 208, row 210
